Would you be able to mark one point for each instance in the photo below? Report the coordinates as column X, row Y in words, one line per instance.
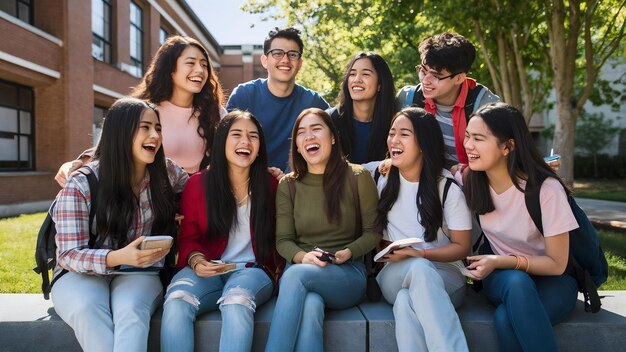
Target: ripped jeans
column 236, row 294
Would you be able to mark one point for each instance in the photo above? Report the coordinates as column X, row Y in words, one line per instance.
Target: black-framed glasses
column 422, row 72
column 279, row 53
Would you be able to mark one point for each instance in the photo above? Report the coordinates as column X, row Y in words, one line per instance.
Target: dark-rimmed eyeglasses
column 279, row 53
column 422, row 72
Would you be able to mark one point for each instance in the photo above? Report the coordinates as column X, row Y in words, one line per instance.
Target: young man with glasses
column 278, row 100
column 445, row 90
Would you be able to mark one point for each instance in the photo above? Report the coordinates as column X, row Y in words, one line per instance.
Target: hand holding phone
column 326, row 256
column 161, row 241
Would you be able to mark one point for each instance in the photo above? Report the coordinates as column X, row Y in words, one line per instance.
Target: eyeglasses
column 278, row 54
column 422, row 72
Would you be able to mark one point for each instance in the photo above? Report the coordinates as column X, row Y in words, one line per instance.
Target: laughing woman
column 366, row 105
column 423, row 283
column 321, row 213
column 136, row 185
column 228, row 216
column 524, row 276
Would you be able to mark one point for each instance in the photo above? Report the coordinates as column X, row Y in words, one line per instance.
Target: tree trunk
column 564, row 137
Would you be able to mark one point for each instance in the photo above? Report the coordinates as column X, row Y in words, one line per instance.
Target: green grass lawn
column 614, row 190
column 18, row 237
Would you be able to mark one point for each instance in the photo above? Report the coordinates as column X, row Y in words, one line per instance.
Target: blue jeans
column 108, row 313
column 305, row 290
column 237, row 294
column 527, row 307
column 424, row 295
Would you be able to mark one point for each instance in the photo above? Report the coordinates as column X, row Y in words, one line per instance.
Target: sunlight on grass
column 18, row 237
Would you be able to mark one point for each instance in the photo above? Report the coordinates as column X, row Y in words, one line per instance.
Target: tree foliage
column 527, row 49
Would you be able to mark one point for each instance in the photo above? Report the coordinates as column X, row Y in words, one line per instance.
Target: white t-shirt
column 239, row 247
column 511, row 230
column 403, row 218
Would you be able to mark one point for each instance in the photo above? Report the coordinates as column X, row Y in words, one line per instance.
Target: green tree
column 593, row 133
column 527, row 48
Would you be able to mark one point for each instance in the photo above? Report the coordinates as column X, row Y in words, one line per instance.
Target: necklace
column 237, row 189
column 243, row 200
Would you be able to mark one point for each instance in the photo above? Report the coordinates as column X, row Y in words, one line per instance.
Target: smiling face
column 283, row 70
column 440, row 85
column 147, row 140
column 242, row 144
column 192, row 71
column 405, row 153
column 484, row 151
column 314, row 141
column 363, row 81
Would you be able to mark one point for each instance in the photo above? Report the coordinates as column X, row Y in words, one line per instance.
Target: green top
column 304, row 225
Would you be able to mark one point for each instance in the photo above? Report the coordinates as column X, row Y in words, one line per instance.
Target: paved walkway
column 605, row 213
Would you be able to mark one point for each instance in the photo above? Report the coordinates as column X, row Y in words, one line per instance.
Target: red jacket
column 193, row 228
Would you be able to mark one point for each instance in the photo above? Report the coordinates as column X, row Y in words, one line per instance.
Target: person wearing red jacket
column 226, row 240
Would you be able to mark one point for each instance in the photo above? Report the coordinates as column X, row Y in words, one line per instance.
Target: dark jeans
column 527, row 306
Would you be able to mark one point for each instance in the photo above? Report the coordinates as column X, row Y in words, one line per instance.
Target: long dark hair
column 117, row 202
column 157, row 86
column 220, row 199
column 524, row 162
column 384, row 108
column 336, row 170
column 430, row 140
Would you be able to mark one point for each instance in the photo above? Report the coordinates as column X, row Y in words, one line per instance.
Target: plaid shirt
column 71, row 216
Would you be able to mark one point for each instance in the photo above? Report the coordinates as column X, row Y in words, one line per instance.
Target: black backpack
column 416, row 98
column 587, row 262
column 45, row 252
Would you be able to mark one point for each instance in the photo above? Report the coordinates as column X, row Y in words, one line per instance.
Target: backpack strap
column 533, row 205
column 416, row 96
column 473, row 99
column 93, row 190
column 376, row 175
column 443, row 186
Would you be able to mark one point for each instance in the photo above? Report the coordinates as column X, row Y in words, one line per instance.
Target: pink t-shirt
column 181, row 141
column 511, row 230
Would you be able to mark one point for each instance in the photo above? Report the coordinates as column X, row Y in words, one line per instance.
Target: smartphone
column 161, row 241
column 227, row 266
column 326, row 256
column 551, row 158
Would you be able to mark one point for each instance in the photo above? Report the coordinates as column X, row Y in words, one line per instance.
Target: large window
column 101, row 30
column 98, row 120
column 136, row 40
column 163, row 35
column 16, row 127
column 22, row 9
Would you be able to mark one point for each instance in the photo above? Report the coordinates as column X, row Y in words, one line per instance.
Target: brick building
column 63, row 63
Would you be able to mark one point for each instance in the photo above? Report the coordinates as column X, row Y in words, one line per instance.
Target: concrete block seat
column 603, row 331
column 29, row 323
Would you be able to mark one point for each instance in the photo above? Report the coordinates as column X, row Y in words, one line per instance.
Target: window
column 16, row 127
column 136, row 40
column 98, row 120
column 163, row 35
column 101, row 30
column 22, row 9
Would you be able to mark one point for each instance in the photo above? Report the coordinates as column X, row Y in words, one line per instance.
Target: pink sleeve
column 556, row 214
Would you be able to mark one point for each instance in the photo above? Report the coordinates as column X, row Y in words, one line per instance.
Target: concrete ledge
column 28, row 323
